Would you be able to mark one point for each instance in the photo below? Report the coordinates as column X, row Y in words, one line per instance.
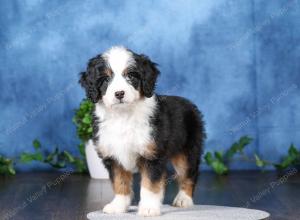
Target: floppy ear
column 88, row 82
column 149, row 75
column 92, row 79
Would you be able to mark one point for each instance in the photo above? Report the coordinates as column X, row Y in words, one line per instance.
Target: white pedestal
column 95, row 165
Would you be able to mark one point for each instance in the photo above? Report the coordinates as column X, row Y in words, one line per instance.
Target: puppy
column 137, row 130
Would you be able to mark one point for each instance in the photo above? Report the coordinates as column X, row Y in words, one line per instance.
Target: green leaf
column 81, row 148
column 245, row 140
column 219, row 155
column 259, row 162
column 237, row 147
column 291, row 159
column 58, row 165
column 90, row 130
column 80, row 165
column 36, row 144
column 11, row 169
column 87, row 119
column 219, row 167
column 293, row 152
column 39, row 157
column 7, row 166
column 69, row 157
column 28, row 157
column 208, row 158
column 285, row 163
column 50, row 157
column 83, row 120
column 231, row 152
column 216, row 162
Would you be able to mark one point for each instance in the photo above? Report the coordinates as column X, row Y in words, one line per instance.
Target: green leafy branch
column 7, row 166
column 59, row 159
column 220, row 161
column 56, row 159
column 291, row 159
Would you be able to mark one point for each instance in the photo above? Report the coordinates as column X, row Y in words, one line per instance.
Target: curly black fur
column 94, row 79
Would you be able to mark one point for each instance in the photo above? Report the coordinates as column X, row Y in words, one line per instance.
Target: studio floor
column 66, row 196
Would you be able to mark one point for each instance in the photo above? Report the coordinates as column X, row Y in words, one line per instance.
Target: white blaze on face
column 119, row 59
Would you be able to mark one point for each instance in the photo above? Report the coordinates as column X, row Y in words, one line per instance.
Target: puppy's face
column 119, row 78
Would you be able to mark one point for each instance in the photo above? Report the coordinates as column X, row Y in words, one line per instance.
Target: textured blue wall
column 237, row 60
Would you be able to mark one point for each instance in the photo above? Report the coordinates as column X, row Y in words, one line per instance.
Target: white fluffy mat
column 197, row 212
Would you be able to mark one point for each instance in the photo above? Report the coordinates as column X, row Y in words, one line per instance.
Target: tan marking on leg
column 122, row 180
column 187, row 186
column 154, row 187
column 181, row 167
column 146, row 182
column 180, row 164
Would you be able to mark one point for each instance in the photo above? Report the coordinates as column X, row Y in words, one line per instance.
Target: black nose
column 119, row 94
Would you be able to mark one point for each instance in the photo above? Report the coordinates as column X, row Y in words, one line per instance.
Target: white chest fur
column 125, row 131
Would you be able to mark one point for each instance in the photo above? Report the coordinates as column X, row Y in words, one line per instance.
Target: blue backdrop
column 237, row 60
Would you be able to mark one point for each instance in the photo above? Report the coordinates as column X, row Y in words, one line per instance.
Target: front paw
column 183, row 200
column 113, row 208
column 119, row 204
column 147, row 210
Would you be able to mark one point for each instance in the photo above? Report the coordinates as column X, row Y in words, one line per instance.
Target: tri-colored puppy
column 137, row 130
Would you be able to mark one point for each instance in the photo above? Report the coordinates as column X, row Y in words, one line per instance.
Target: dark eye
column 132, row 75
column 104, row 80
